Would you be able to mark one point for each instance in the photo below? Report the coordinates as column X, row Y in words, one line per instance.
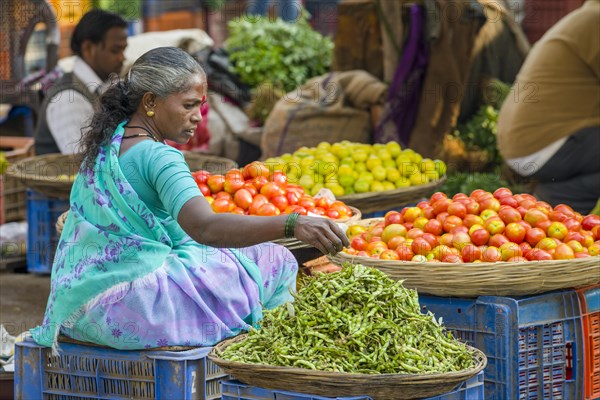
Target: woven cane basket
column 485, row 278
column 335, row 384
column 53, row 174
column 381, row 201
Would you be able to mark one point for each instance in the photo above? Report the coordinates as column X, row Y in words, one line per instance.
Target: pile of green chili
column 358, row 321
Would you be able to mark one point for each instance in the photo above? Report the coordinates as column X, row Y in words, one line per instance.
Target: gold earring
column 150, row 113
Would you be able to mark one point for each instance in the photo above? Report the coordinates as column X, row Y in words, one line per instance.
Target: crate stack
column 96, row 372
column 589, row 298
column 538, row 347
column 42, row 237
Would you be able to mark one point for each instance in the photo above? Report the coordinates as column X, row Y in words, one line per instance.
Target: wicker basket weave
column 51, row 174
column 485, row 278
column 334, row 384
column 381, row 201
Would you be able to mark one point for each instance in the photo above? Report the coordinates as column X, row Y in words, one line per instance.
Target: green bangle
column 290, row 224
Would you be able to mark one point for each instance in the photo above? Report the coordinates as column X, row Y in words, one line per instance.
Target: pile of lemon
column 347, row 168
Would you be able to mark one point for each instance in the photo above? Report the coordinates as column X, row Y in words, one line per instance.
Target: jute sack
column 329, row 108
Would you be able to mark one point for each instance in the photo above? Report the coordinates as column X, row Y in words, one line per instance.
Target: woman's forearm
column 233, row 230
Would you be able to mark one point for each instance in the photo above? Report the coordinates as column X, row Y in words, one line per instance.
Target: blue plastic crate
column 533, row 344
column 235, row 390
column 42, row 238
column 93, row 372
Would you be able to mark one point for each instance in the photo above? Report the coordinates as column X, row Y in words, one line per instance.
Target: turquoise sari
column 124, row 278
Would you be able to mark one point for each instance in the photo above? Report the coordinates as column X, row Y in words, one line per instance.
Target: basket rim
column 392, row 193
column 478, row 355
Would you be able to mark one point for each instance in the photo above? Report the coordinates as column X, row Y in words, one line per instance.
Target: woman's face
column 177, row 115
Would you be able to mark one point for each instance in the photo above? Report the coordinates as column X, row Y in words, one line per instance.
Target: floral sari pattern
column 124, row 278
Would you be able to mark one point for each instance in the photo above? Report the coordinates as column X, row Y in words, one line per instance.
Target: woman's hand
column 322, row 233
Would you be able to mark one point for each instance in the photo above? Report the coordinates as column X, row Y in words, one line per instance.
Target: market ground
column 23, row 300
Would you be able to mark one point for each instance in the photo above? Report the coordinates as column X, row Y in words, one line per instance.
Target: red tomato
column 341, row 208
column 306, row 202
column 359, row 243
column 491, row 254
column 420, row 246
column 250, row 188
column 436, row 196
column 480, row 236
column 201, row 176
column 259, row 182
column 292, row 198
column 243, row 198
column 268, row 209
column 515, row 232
column 222, row 205
column 509, row 214
column 405, row 253
column 470, row 253
column 590, row 221
column 255, row 169
column 280, row 202
column 534, row 235
column 441, row 205
column 271, row 189
column 280, row 178
column 223, row 195
column 502, row 192
column 509, row 201
column 333, row 214
column 389, row 255
column 434, row 227
column 450, row 222
column 257, row 202
column 393, row 217
column 323, row 202
column 204, row 189
column 498, row 240
column 215, row 183
column 233, row 181
column 457, row 209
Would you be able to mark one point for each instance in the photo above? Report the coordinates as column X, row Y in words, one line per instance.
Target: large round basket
column 484, row 278
column 381, row 201
column 334, row 384
column 53, row 174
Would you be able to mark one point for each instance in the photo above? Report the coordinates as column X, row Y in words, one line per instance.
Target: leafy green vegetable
column 479, row 133
column 283, row 54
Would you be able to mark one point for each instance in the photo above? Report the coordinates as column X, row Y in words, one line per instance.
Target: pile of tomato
column 480, row 227
column 255, row 190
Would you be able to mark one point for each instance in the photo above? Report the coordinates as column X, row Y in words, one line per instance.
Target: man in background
column 549, row 125
column 98, row 42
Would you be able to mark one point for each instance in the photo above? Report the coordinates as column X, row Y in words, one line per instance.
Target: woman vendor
column 143, row 261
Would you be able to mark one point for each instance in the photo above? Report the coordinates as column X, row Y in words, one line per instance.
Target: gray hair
column 163, row 71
